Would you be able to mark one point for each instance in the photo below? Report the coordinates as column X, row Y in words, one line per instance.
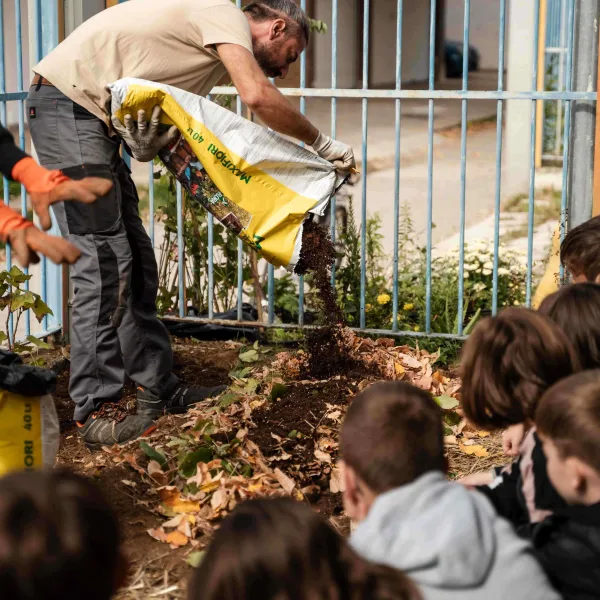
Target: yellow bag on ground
column 258, row 184
column 29, row 428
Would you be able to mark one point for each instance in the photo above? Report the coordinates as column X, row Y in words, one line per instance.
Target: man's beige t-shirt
column 166, row 41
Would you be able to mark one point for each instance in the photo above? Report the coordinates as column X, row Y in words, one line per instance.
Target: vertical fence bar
column 151, row 202
column 180, row 251
column 463, row 169
column 3, row 117
column 271, row 293
column 302, row 111
column 397, row 117
column 365, row 116
column 334, row 36
column 240, row 244
column 211, row 265
column 583, row 118
column 430, row 167
column 21, row 117
column 531, row 215
column 499, row 118
column 565, row 197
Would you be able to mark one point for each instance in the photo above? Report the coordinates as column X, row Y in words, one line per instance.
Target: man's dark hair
column 569, row 415
column 508, row 362
column 580, row 250
column 59, row 538
column 576, row 310
column 268, row 10
column 393, row 434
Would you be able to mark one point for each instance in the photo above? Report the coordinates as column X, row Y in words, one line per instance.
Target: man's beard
column 265, row 55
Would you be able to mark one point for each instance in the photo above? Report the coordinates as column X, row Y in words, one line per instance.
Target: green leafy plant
column 16, row 299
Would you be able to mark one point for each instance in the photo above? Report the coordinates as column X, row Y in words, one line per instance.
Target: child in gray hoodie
column 448, row 540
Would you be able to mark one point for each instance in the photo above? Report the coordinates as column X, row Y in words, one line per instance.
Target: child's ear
column 597, row 280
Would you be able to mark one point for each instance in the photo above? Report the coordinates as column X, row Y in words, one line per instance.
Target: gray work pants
column 115, row 329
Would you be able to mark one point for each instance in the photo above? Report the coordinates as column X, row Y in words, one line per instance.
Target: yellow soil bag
column 256, row 183
column 29, row 428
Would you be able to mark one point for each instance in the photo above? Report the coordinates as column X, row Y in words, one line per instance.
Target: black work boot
column 178, row 401
column 99, row 431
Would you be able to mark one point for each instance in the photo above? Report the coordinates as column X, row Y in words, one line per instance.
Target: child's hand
column 477, row 479
column 512, row 438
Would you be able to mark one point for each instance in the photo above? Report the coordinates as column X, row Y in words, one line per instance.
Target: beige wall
column 483, row 31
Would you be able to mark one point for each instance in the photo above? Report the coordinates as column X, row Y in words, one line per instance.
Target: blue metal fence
column 46, row 28
column 44, row 36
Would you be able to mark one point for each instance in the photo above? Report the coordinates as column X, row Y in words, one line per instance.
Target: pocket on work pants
column 102, row 216
column 42, row 118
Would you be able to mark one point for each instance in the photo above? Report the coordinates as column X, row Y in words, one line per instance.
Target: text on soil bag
column 221, row 157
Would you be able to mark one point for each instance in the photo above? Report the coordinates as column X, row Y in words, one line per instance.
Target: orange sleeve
column 35, row 178
column 10, row 220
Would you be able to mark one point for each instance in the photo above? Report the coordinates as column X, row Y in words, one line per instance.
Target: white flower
column 503, row 271
column 487, row 272
column 471, row 267
column 479, row 287
column 484, row 258
column 488, row 265
column 466, row 275
column 516, row 303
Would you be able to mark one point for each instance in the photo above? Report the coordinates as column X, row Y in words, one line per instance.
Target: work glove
column 144, row 141
column 48, row 187
column 335, row 152
column 27, row 243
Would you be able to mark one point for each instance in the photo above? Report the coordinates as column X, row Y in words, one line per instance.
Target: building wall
column 484, row 27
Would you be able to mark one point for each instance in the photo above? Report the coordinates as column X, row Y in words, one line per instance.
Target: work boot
column 99, row 431
column 180, row 399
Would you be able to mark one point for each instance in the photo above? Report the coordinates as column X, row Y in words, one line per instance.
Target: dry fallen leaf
column 323, row 456
column 173, row 501
column 475, row 449
column 483, row 434
column 336, row 481
column 177, row 539
column 155, row 471
column 284, row 481
column 450, row 440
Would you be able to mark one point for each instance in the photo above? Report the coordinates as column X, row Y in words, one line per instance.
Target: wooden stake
column 539, row 105
column 596, row 199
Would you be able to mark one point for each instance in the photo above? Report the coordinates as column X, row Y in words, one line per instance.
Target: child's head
column 568, row 423
column 576, row 310
column 59, row 539
column 280, row 549
column 508, row 362
column 579, row 252
column 392, row 434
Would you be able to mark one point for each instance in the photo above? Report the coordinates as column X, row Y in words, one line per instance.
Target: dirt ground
column 289, row 433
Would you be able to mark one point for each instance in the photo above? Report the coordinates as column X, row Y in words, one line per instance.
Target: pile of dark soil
column 327, row 355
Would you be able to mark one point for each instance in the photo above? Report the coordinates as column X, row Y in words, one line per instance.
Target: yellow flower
column 409, row 306
column 417, row 328
column 383, row 298
column 368, row 307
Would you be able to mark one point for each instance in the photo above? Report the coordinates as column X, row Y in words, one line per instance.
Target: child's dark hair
column 280, row 549
column 508, row 362
column 393, row 434
column 576, row 310
column 59, row 538
column 579, row 250
column 569, row 415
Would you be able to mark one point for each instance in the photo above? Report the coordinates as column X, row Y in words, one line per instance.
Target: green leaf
column 241, row 373
column 451, row 419
column 229, row 399
column 189, row 463
column 446, row 402
column 17, row 276
column 22, row 300
column 255, row 345
column 251, row 386
column 279, row 391
column 153, row 454
column 474, row 319
column 41, row 309
column 247, row 471
column 196, row 558
column 448, row 431
column 39, row 343
column 292, row 435
column 251, row 356
column 20, row 347
column 3, row 337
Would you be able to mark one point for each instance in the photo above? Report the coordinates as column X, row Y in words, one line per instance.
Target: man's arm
column 268, row 103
